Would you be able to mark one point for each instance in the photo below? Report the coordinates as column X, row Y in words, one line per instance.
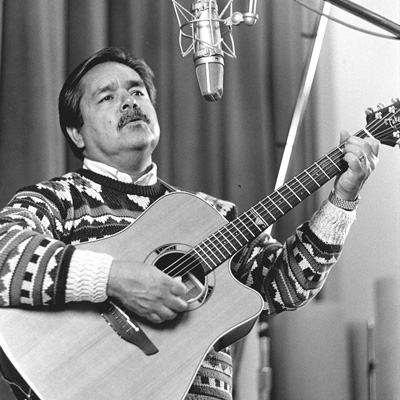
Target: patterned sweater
column 39, row 264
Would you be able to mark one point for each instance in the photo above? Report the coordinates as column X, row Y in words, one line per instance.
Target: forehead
column 107, row 75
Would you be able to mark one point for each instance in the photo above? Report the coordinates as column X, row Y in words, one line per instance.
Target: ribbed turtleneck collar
column 155, row 190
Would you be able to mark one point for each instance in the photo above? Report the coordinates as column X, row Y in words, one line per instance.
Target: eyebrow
column 112, row 86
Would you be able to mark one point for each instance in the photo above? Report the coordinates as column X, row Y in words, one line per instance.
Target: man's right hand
column 147, row 291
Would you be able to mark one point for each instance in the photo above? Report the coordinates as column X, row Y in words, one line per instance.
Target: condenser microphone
column 207, row 51
column 202, row 26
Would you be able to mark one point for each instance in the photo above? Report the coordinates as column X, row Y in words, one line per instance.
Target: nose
column 128, row 102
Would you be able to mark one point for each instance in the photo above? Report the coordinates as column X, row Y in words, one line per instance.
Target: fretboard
column 232, row 237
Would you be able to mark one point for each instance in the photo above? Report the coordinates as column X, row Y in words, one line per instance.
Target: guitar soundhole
column 176, row 261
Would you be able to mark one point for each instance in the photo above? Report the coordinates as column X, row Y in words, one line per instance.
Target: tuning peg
column 369, row 111
column 380, row 106
column 396, row 135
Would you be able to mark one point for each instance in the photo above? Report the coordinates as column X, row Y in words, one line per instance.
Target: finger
column 374, row 146
column 360, row 148
column 356, row 153
column 354, row 149
column 177, row 304
column 355, row 162
column 369, row 157
column 163, row 314
column 344, row 135
column 167, row 314
column 370, row 146
column 155, row 318
column 178, row 288
column 170, row 315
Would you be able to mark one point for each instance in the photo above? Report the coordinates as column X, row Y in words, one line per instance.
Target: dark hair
column 71, row 93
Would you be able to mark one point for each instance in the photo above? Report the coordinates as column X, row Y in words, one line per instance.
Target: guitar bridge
column 126, row 327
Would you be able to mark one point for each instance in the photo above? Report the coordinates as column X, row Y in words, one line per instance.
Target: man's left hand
column 361, row 156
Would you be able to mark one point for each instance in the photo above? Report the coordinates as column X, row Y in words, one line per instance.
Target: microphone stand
column 368, row 16
column 371, row 360
column 265, row 371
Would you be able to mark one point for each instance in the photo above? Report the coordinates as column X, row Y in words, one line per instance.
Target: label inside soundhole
column 178, row 260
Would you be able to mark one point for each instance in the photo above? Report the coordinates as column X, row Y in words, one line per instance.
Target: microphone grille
column 210, row 76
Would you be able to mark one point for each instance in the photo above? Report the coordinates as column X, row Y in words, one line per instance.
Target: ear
column 76, row 137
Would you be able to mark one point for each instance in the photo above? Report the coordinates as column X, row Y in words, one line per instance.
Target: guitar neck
column 227, row 241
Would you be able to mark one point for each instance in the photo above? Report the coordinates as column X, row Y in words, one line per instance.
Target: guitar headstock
column 384, row 124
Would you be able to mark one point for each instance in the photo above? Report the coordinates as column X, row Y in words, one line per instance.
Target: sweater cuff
column 88, row 276
column 332, row 224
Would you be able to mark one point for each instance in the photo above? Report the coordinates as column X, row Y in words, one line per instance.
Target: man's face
column 119, row 121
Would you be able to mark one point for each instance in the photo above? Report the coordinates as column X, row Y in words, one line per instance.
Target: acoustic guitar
column 104, row 352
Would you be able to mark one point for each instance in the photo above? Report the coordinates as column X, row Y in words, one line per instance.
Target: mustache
column 133, row 114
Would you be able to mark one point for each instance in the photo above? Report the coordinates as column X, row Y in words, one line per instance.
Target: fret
column 245, row 225
column 201, row 258
column 266, row 209
column 367, row 132
column 332, row 162
column 259, row 217
column 233, row 225
column 275, row 205
column 323, row 171
column 213, row 247
column 222, row 243
column 253, row 220
column 302, row 185
column 312, row 178
column 284, row 198
column 234, row 237
column 298, row 198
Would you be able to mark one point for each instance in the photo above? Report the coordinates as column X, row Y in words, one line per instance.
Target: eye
column 137, row 92
column 106, row 98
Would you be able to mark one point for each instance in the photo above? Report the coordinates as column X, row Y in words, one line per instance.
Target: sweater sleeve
column 88, row 276
column 289, row 275
column 36, row 266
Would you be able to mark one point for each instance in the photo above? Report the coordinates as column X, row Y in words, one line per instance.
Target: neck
column 133, row 166
column 135, row 171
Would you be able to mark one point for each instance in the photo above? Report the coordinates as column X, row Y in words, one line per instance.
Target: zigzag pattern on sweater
column 42, row 222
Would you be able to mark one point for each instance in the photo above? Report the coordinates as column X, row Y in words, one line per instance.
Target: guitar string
column 283, row 192
column 195, row 262
column 207, row 253
column 243, row 219
column 176, row 268
column 332, row 160
column 325, row 163
column 328, row 163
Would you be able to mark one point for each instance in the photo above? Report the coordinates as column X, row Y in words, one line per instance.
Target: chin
column 145, row 145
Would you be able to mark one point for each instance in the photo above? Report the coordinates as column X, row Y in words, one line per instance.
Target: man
column 107, row 115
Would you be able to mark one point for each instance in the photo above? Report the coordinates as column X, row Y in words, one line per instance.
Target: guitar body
column 72, row 353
